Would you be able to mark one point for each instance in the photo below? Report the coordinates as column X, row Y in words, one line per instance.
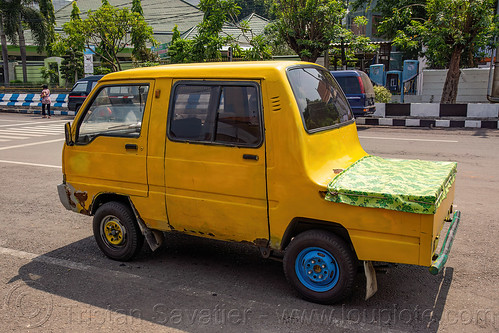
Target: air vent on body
column 276, row 103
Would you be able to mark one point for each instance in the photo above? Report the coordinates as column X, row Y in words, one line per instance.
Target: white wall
column 472, row 86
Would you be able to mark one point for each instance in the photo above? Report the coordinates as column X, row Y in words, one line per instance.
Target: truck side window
column 115, row 111
column 217, row 113
column 319, row 98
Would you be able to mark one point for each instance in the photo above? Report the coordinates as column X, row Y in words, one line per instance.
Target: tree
column 449, row 33
column 71, row 47
column 180, row 49
column 140, row 51
column 309, row 26
column 350, row 44
column 111, row 29
column 207, row 44
column 47, row 11
column 19, row 14
column 260, row 7
column 5, row 53
column 451, row 27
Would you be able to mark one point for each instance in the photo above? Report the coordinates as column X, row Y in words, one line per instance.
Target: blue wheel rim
column 317, row 269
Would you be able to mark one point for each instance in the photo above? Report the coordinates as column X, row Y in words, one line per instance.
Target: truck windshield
column 319, row 98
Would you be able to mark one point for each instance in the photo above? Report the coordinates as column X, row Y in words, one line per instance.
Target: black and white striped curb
column 434, row 115
column 428, row 122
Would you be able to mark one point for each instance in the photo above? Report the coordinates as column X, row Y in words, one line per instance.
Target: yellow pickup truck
column 264, row 153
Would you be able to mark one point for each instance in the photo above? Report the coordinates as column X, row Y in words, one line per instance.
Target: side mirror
column 67, row 134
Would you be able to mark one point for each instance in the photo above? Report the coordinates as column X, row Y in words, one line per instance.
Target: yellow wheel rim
column 113, row 231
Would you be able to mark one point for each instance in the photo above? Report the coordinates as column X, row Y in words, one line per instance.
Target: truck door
column 215, row 161
column 109, row 154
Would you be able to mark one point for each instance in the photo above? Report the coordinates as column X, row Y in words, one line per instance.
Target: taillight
column 361, row 84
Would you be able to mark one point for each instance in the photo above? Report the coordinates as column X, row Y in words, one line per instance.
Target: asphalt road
column 54, row 278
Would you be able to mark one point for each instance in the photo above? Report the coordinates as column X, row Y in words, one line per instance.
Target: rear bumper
column 441, row 258
column 363, row 111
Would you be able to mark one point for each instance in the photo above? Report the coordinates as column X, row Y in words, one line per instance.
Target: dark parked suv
column 80, row 91
column 359, row 91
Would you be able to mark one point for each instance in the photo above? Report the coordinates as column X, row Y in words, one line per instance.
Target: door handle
column 250, row 157
column 131, row 146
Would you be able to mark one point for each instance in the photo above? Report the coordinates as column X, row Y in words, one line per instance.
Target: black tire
column 320, row 266
column 116, row 231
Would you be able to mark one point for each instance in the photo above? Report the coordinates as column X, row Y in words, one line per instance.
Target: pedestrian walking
column 45, row 95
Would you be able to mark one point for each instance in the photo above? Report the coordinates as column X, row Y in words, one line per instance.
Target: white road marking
column 65, row 263
column 406, row 139
column 25, row 121
column 32, row 164
column 15, row 137
column 30, row 144
column 36, row 122
column 22, row 133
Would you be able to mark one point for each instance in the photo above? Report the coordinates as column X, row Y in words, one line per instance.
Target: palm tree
column 5, row 53
column 17, row 15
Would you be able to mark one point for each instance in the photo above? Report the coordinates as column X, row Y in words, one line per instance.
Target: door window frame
column 96, row 94
column 213, row 109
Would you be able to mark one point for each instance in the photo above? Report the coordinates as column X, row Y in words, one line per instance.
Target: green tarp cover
column 412, row 186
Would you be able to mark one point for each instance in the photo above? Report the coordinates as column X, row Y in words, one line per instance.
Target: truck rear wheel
column 116, row 231
column 320, row 266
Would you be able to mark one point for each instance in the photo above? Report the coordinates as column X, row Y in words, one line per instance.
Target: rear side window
column 225, row 113
column 368, row 86
column 115, row 111
column 349, row 84
column 80, row 87
column 319, row 98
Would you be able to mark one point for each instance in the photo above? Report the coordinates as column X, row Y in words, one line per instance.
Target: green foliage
column 356, row 43
column 450, row 33
column 260, row 49
column 71, row 47
column 47, row 11
column 140, row 51
column 51, row 74
column 146, row 64
column 382, row 94
column 440, row 26
column 180, row 51
column 309, row 26
column 72, row 67
column 276, row 42
column 207, row 44
column 16, row 13
column 260, row 7
column 75, row 12
column 111, row 29
column 102, row 70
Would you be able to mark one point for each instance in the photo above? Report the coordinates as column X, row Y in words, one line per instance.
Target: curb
column 437, row 111
column 416, row 122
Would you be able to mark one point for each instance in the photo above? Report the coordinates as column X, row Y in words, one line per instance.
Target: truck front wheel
column 320, row 266
column 116, row 231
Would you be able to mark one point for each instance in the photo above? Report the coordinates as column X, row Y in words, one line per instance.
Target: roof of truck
column 242, row 69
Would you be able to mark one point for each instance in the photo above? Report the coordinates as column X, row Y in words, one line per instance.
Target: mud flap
column 371, row 283
column 154, row 238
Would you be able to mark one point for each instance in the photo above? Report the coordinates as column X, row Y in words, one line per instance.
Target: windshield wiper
column 130, row 126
